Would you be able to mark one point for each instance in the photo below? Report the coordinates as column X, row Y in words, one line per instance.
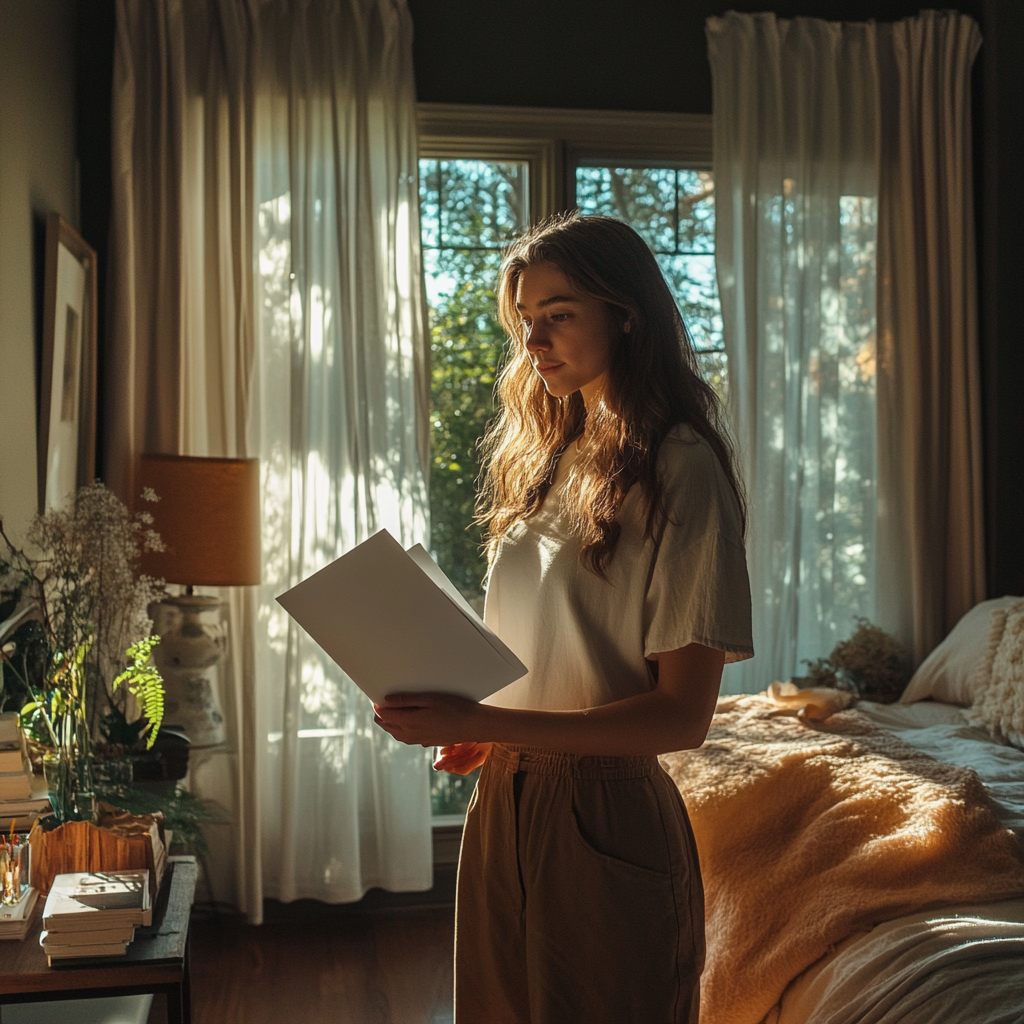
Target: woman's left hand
column 429, row 719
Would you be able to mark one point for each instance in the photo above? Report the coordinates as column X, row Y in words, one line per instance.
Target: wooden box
column 121, row 840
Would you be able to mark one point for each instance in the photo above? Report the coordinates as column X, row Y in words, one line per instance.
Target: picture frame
column 67, row 394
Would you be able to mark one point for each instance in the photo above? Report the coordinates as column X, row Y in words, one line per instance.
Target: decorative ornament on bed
column 871, row 664
column 998, row 684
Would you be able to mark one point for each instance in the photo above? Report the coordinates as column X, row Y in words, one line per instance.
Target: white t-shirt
column 586, row 640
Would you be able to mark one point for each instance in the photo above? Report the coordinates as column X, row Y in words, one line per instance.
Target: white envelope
column 395, row 623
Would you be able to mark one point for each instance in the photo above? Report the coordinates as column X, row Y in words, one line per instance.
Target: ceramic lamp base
column 193, row 642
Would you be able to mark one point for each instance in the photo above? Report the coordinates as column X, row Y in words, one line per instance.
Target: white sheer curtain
column 267, row 301
column 803, row 160
column 341, row 423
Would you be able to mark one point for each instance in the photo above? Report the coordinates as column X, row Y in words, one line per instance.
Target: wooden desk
column 156, row 961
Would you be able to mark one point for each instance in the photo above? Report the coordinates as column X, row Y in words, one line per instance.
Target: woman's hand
column 429, row 719
column 462, row 758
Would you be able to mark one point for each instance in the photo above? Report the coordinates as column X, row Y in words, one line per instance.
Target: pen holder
column 14, row 858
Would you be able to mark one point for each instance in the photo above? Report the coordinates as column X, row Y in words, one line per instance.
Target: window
column 468, row 210
column 673, row 209
column 485, row 174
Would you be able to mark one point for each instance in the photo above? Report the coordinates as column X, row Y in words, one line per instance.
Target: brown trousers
column 579, row 894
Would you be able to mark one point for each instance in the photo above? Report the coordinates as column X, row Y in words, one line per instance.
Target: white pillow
column 999, row 683
column 946, row 674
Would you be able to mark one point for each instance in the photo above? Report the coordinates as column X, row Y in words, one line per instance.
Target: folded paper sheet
column 395, row 623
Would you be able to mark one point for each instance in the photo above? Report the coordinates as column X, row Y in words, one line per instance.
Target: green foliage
column 450, row 794
column 466, row 345
column 145, row 684
column 56, row 713
column 470, row 208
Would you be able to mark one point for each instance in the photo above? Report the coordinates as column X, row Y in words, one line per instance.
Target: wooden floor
column 377, row 967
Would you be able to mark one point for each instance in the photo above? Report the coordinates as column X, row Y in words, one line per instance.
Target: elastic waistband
column 580, row 766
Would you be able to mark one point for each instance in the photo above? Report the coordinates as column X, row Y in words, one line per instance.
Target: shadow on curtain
column 844, row 246
column 267, row 301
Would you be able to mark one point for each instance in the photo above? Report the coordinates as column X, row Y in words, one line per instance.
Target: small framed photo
column 67, row 396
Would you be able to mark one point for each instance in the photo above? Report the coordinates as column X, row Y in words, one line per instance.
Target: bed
column 868, row 867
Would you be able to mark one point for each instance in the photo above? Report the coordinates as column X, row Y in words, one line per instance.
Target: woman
column 618, row 576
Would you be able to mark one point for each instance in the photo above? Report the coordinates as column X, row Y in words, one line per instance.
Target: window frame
column 553, row 141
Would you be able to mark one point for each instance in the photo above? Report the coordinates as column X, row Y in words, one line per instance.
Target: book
column 16, row 785
column 12, row 759
column 37, row 805
column 73, row 952
column 79, row 901
column 123, row 933
column 16, row 919
column 10, row 729
column 22, row 822
column 394, row 623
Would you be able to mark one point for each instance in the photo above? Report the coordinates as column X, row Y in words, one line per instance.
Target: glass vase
column 69, row 782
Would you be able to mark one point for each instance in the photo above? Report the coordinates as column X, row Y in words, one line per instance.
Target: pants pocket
column 619, row 822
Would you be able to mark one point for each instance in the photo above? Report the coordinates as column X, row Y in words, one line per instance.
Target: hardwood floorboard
column 378, row 967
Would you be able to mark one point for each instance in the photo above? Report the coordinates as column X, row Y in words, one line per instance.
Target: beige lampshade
column 208, row 517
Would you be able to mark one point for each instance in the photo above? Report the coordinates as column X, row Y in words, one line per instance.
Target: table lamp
column 208, row 517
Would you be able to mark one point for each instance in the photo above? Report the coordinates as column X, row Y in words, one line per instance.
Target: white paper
column 419, row 555
column 395, row 623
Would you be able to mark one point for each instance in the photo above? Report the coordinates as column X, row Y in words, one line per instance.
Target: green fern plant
column 145, row 684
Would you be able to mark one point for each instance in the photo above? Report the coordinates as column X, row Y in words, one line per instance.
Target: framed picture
column 67, row 396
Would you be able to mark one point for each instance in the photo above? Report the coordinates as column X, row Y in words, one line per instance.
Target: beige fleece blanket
column 808, row 832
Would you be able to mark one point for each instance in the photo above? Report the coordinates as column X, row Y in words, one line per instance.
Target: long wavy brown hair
column 654, row 383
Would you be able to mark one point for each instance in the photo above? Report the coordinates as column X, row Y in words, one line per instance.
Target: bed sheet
column 942, row 731
column 956, row 965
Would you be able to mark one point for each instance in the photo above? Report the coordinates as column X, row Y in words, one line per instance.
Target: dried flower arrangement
column 871, row 664
column 70, row 612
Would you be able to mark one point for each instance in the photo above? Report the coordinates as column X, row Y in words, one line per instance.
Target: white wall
column 37, row 177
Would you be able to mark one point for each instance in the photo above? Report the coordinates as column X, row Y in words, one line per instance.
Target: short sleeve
column 698, row 590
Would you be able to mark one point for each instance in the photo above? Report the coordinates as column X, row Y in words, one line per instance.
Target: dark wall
column 591, row 54
column 94, row 73
column 1000, row 184
column 651, row 55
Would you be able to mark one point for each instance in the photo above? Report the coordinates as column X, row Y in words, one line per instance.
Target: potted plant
column 72, row 604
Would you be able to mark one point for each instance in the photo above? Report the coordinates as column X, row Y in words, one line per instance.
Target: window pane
column 469, row 209
column 692, row 281
column 644, row 197
column 696, row 211
column 480, row 203
column 673, row 210
column 450, row 794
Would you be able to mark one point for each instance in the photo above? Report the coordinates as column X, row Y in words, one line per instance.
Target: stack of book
column 23, row 796
column 94, row 914
column 15, row 919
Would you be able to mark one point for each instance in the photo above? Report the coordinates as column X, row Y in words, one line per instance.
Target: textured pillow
column 947, row 674
column 999, row 682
